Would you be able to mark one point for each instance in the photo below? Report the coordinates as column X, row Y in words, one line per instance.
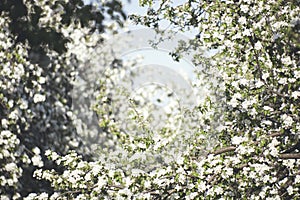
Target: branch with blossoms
column 281, row 156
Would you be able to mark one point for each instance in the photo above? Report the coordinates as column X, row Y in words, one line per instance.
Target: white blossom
column 242, row 20
column 37, row 161
column 287, row 120
column 36, row 151
column 247, row 32
column 297, row 179
column 10, row 167
column 295, row 94
column 282, row 81
column 42, row 80
column 236, row 140
column 290, row 190
column 258, row 46
column 39, row 98
column 244, row 8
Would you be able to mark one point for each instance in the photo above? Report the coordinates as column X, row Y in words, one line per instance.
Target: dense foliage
column 37, row 67
column 256, row 154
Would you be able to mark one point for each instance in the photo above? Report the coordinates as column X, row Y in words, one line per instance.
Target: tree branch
column 233, row 148
column 224, row 150
column 282, row 156
column 289, row 156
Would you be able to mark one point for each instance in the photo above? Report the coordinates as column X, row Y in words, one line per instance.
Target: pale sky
column 140, row 47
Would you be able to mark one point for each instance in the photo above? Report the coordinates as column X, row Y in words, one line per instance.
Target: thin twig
column 224, row 150
column 289, row 156
column 212, row 178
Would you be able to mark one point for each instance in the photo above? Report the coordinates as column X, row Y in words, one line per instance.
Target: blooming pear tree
column 255, row 102
column 256, row 155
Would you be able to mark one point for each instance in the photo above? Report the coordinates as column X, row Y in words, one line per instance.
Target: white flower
column 282, row 81
column 246, row 32
column 180, row 170
column 180, row 160
column 142, row 145
column 297, row 74
column 37, row 161
column 39, row 98
column 10, row 167
column 4, row 197
column 36, row 151
column 161, row 172
column 292, row 80
column 80, row 197
column 211, row 192
column 268, row 108
column 244, row 8
column 96, row 169
column 290, row 190
column 88, row 177
column 38, row 173
column 262, row 194
column 14, row 115
column 228, row 20
column 286, row 60
column 11, row 103
column 44, row 196
column 5, row 153
column 236, row 140
column 137, row 172
column 23, row 104
column 265, row 76
column 48, row 152
column 247, row 103
column 54, row 156
column 295, row 94
column 229, row 171
column 30, row 196
column 274, row 143
column 244, row 150
column 260, row 168
column 242, row 20
column 289, row 163
column 266, row 178
column 202, row 186
column 191, row 196
column 6, row 133
column 258, row 46
column 259, row 84
column 229, row 43
column 42, row 80
column 218, row 190
column 4, row 123
column 147, row 184
column 287, row 120
column 181, row 178
column 235, row 84
column 297, row 179
column 243, row 81
column 126, row 192
column 235, row 160
column 274, row 151
column 234, row 101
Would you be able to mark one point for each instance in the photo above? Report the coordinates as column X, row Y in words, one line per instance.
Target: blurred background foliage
column 34, row 60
